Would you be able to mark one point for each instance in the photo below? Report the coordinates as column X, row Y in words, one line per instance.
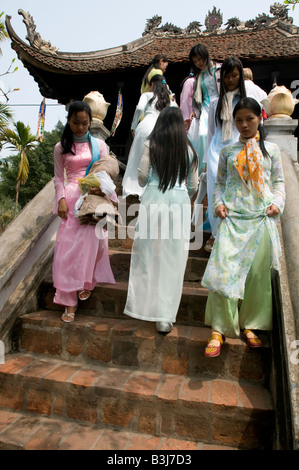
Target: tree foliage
column 6, row 213
column 3, row 36
column 3, row 32
column 41, row 169
column 22, row 141
column 291, row 2
column 5, row 115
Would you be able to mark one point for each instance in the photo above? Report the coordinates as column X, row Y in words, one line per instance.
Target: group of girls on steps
column 217, row 130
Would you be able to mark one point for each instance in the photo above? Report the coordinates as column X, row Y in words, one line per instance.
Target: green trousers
column 255, row 313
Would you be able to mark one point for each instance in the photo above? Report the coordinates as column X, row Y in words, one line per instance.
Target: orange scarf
column 249, row 164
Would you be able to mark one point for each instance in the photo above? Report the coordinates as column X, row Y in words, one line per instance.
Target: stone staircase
column 110, row 382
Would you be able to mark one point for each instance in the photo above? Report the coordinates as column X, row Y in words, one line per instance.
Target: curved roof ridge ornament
column 152, row 25
column 214, row 23
column 280, row 18
column 33, row 37
column 280, row 12
column 213, row 20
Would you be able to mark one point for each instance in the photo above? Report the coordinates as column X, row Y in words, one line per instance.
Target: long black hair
column 154, row 63
column 67, row 140
column 169, row 148
column 198, row 49
column 202, row 51
column 253, row 105
column 227, row 67
column 161, row 92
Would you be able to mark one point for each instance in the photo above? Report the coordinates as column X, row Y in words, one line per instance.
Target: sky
column 91, row 25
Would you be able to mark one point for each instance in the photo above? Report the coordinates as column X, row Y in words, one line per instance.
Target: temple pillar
column 281, row 132
column 98, row 130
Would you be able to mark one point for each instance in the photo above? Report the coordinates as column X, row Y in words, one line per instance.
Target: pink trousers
column 69, row 299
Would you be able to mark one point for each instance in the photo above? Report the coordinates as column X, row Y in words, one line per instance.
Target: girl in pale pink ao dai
column 81, row 259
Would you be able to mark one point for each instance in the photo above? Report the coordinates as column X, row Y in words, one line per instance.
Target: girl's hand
column 188, row 121
column 96, row 191
column 221, row 211
column 62, row 208
column 272, row 210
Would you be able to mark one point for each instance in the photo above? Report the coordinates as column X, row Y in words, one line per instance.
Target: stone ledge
column 289, row 279
column 24, row 231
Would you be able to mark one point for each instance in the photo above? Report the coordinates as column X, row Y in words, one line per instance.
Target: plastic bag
column 91, row 180
column 97, row 180
column 106, row 183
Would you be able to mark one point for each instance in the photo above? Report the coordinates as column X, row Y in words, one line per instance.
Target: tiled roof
column 266, row 43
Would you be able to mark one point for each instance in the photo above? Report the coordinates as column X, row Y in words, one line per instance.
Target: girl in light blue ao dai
column 249, row 196
column 198, row 90
column 168, row 171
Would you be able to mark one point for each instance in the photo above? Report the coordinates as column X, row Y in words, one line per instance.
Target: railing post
column 280, row 131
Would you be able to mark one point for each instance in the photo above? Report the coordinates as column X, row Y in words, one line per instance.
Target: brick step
column 137, row 344
column 120, row 264
column 22, row 431
column 108, row 300
column 122, row 239
column 213, row 411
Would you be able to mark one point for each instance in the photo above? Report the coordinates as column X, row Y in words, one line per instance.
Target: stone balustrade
column 26, row 248
column 280, row 131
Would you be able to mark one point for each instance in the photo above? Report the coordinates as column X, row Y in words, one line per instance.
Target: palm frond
column 10, row 138
column 5, row 114
column 23, row 168
column 26, row 139
column 3, row 33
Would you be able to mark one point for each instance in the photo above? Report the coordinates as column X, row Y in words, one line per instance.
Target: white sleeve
column 144, row 166
column 211, row 126
column 142, row 104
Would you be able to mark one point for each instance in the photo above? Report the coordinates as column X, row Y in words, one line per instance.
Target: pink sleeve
column 186, row 98
column 103, row 147
column 58, row 176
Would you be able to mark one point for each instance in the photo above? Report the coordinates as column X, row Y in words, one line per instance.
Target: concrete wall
column 289, row 280
column 280, row 131
column 26, row 249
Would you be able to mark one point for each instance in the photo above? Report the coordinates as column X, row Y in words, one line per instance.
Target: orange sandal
column 253, row 342
column 211, row 350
